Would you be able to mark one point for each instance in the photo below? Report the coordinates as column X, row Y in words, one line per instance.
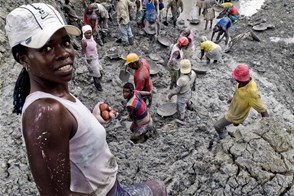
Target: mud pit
column 257, row 159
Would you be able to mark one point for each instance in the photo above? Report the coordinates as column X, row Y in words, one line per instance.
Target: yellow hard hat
column 132, row 57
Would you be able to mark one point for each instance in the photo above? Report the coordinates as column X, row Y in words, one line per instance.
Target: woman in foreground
column 66, row 145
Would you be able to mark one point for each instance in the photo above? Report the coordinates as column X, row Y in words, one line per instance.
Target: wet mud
column 256, row 158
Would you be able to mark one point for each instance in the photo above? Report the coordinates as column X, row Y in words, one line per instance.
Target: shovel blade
column 124, row 76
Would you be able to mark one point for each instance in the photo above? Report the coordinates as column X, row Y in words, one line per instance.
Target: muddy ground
column 257, row 157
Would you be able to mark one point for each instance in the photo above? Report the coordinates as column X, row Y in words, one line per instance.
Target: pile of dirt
column 256, row 159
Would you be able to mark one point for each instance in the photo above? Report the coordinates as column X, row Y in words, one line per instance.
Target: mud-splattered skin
column 47, row 124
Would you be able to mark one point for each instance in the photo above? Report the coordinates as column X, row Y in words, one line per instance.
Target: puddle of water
column 286, row 40
column 249, row 7
column 245, row 7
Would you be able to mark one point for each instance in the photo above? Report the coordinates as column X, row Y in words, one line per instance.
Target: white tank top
column 92, row 166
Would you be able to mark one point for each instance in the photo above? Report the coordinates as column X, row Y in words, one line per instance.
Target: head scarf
column 85, row 29
column 203, row 38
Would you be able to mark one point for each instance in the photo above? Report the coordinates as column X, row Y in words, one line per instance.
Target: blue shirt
column 225, row 23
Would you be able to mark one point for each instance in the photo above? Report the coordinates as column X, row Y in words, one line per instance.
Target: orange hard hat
column 183, row 41
column 241, row 73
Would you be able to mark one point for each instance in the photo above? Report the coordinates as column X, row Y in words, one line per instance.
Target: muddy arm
column 131, row 111
column 84, row 45
column 145, row 93
column 212, row 36
column 181, row 5
column 202, row 54
column 174, row 92
column 47, row 129
column 138, row 4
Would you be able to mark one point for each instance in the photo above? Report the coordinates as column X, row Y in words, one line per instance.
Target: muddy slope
column 257, row 159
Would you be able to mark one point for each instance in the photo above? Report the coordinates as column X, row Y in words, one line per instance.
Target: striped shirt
column 141, row 113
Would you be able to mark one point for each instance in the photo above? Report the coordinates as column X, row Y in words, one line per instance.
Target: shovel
column 124, row 75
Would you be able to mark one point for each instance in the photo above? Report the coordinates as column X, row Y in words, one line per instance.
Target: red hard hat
column 241, row 73
column 183, row 41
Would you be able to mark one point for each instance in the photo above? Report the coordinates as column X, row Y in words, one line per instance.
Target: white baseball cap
column 33, row 25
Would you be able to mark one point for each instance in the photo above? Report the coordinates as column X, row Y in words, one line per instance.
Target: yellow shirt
column 227, row 5
column 208, row 46
column 244, row 98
